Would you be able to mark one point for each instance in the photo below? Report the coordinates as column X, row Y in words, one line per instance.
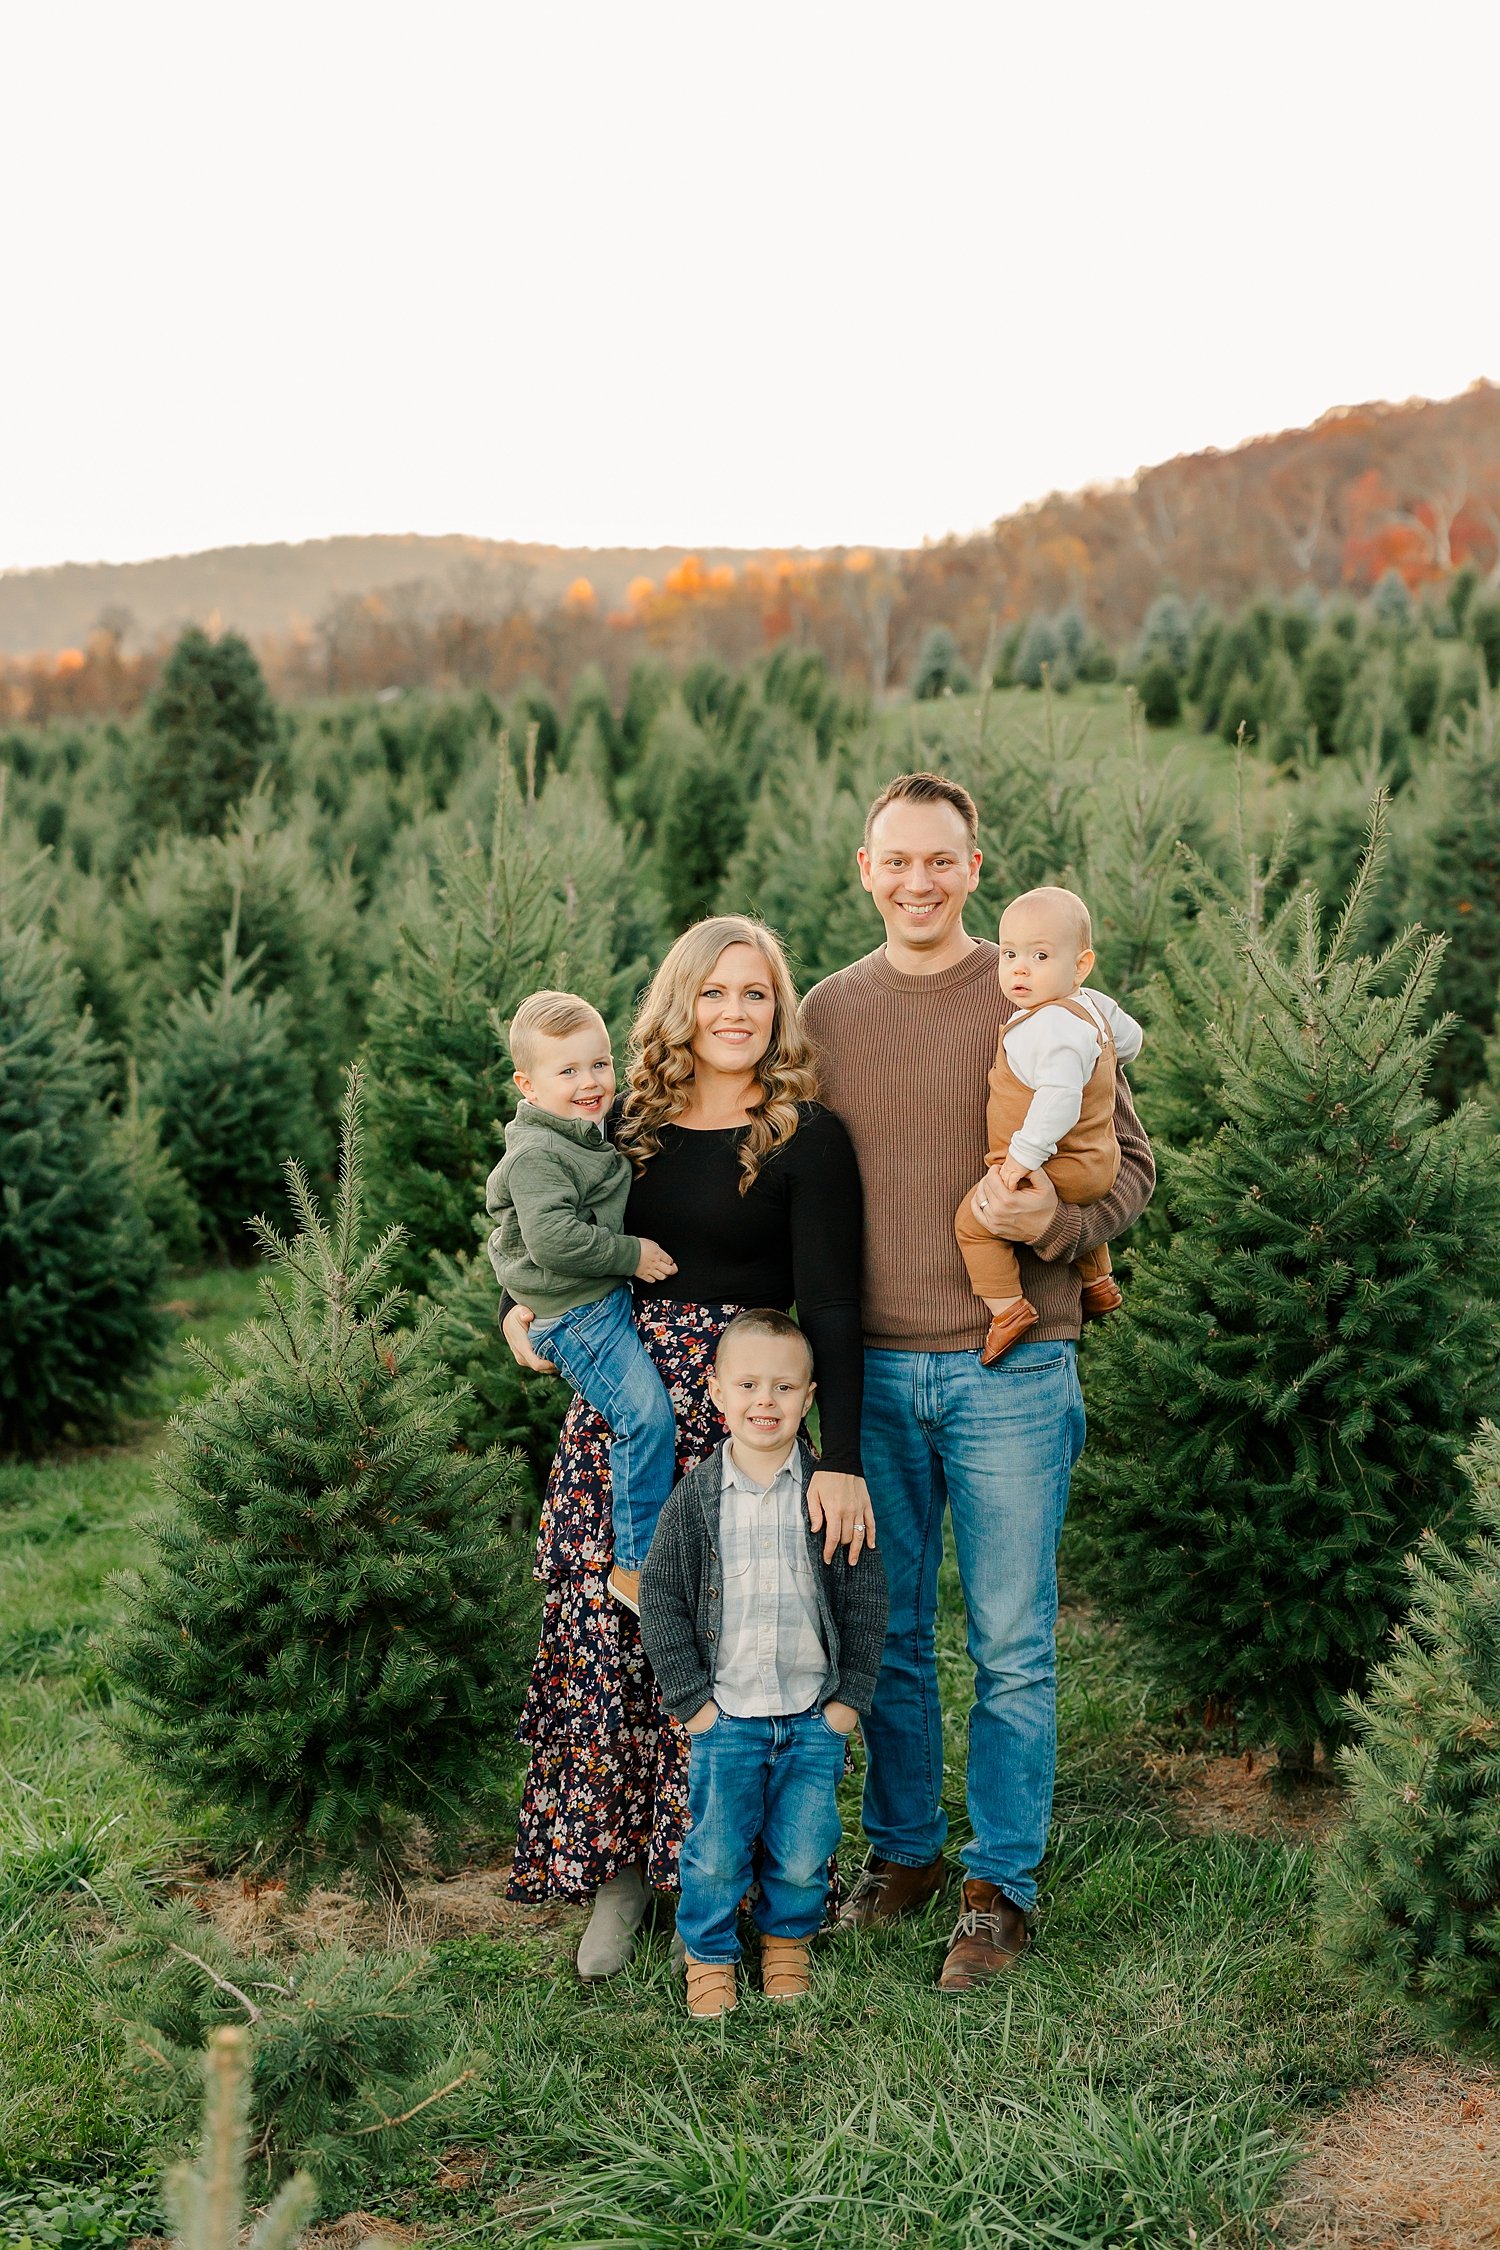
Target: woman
column 753, row 1189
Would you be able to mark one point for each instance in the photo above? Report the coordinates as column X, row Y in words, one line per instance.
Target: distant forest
column 1408, row 491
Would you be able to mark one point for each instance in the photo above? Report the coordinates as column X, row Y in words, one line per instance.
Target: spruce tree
column 940, row 669
column 1411, row 1889
column 79, row 1263
column 323, row 1651
column 164, row 1194
column 211, row 730
column 549, row 901
column 1453, row 883
column 353, row 2060
column 235, row 1095
column 1281, row 1415
column 1160, row 694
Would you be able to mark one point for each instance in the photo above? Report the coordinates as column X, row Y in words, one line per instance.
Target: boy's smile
column 762, row 1386
column 574, row 1075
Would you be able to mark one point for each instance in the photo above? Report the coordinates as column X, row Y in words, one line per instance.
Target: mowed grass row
column 1140, row 2080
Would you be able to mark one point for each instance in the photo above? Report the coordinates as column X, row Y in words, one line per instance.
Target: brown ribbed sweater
column 905, row 1062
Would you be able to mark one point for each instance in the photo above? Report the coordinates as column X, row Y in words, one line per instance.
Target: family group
column 724, row 1605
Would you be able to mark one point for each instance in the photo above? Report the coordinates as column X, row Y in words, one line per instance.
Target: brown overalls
column 1086, row 1165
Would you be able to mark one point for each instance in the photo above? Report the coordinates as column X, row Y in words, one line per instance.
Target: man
column 906, row 1038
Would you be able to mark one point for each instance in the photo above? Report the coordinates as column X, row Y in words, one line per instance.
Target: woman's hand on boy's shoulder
column 838, row 1505
column 516, row 1329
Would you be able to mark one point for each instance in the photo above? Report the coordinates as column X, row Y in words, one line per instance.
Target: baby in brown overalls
column 1052, row 1099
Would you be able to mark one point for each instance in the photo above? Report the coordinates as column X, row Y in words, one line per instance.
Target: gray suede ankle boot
column 608, row 1942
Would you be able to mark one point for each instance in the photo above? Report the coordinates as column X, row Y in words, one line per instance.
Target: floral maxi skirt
column 606, row 1785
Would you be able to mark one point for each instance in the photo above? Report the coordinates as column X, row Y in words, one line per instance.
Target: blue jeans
column 766, row 1781
column 997, row 1446
column 597, row 1348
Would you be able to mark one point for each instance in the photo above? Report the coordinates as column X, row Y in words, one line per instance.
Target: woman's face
column 736, row 1011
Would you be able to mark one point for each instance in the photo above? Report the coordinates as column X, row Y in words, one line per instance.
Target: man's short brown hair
column 761, row 1321
column 547, row 1015
column 926, row 789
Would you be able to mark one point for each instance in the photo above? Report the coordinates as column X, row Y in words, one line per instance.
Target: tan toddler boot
column 710, row 1989
column 625, row 1585
column 784, row 1971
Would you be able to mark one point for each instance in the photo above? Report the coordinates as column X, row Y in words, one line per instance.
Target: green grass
column 1140, row 2081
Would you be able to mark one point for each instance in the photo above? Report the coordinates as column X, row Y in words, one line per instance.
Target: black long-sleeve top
column 794, row 1238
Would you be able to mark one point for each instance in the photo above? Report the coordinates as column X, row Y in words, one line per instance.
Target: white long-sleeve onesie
column 1054, row 1051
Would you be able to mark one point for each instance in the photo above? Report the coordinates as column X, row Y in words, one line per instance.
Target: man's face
column 919, row 867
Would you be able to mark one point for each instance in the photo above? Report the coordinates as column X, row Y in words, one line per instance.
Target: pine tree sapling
column 206, row 2201
column 1411, row 1889
column 352, row 2056
column 319, row 1657
column 79, row 1264
column 1281, row 1416
column 1161, row 699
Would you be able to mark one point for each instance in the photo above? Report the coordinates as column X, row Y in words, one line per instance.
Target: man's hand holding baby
column 1017, row 1214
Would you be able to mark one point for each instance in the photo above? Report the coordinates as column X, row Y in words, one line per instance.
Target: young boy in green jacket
column 557, row 1197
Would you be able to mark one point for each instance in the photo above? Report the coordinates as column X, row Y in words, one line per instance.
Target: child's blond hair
column 547, row 1015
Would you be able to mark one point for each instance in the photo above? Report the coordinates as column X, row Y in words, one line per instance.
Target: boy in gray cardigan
column 767, row 1654
column 557, row 1197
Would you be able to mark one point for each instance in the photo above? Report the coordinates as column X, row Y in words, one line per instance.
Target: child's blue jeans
column 599, row 1351
column 766, row 1781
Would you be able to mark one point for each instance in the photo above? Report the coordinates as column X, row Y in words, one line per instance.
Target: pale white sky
column 682, row 271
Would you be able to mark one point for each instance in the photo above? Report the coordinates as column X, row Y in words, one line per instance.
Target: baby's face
column 1039, row 957
column 573, row 1076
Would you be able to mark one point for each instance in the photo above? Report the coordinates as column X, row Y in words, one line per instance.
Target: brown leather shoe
column 1101, row 1297
column 710, row 1989
column 1008, row 1328
column 988, row 1938
column 784, row 1973
column 886, row 1891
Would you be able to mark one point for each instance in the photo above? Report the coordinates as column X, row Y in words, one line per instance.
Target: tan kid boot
column 1101, row 1297
column 784, row 1971
column 625, row 1585
column 710, row 1989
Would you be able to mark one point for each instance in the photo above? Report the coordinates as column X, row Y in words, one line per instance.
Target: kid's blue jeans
column 599, row 1351
column 766, row 1781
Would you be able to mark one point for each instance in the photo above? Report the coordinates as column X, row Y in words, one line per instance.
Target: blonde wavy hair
column 659, row 1071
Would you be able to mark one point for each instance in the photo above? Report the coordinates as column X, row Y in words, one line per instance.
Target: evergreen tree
column 551, row 901
column 297, row 920
column 703, row 820
column 501, row 1405
column 1463, row 689
column 79, row 1264
column 1283, row 1411
column 1391, row 603
column 591, row 706
column 1484, row 632
column 940, row 669
column 1237, row 719
column 320, row 1653
column 1412, row 1885
column 339, row 2045
column 1040, row 646
column 1167, row 634
column 1453, row 884
column 1421, row 685
column 235, row 1096
column 1161, row 699
column 164, row 1194
column 211, row 730
column 1325, row 676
